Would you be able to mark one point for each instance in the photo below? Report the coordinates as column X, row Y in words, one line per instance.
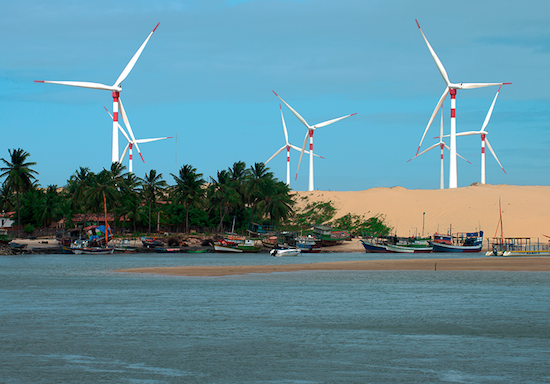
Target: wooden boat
column 168, row 250
column 279, row 252
column 238, row 245
column 329, row 236
column 458, row 242
column 151, row 242
column 394, row 244
column 517, row 246
column 93, row 251
column 124, row 246
column 308, row 244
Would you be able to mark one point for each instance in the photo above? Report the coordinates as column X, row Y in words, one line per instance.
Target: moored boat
column 151, row 242
column 458, row 242
column 279, row 252
column 396, row 244
column 308, row 244
column 330, row 236
column 238, row 245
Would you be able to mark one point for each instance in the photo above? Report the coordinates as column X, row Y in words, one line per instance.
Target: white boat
column 285, row 252
column 224, row 248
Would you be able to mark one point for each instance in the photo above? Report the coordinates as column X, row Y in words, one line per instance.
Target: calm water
column 70, row 319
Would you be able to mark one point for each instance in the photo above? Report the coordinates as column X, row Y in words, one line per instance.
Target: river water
column 71, row 319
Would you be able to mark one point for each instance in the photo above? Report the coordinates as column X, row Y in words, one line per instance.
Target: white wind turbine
column 483, row 132
column 131, row 141
column 115, row 88
column 442, row 145
column 310, row 130
column 287, row 146
column 450, row 88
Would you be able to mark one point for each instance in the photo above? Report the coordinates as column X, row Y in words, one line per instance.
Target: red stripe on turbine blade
column 353, row 114
column 39, row 81
column 275, row 93
column 417, row 23
column 506, row 84
column 156, row 27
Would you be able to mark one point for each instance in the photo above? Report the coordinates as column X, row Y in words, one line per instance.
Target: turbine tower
column 450, row 88
column 310, row 130
column 115, row 89
column 287, row 146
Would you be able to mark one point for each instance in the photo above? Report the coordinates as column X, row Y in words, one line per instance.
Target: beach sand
column 484, row 264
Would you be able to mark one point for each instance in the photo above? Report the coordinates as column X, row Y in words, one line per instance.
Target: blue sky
column 208, row 73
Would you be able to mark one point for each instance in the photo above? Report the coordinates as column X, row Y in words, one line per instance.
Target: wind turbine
column 483, row 132
column 310, row 130
column 442, row 145
column 450, row 88
column 115, row 89
column 131, row 141
column 287, row 146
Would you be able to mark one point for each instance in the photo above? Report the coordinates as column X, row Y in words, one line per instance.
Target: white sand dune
column 525, row 209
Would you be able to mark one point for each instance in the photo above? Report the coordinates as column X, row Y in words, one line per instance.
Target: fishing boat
column 375, row 244
column 308, row 244
column 330, row 236
column 394, row 244
column 458, row 242
column 236, row 245
column 168, row 250
column 279, row 252
column 124, row 246
column 151, row 242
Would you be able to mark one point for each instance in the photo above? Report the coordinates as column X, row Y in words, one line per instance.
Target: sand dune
column 525, row 209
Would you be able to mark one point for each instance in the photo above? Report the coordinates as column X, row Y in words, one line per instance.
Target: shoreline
column 515, row 264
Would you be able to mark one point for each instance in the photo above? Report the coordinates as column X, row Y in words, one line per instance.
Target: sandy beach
column 486, row 264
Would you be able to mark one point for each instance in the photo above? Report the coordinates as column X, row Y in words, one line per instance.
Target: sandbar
column 483, row 264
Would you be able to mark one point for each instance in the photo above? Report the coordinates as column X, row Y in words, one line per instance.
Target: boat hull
column 407, row 249
column 373, row 247
column 93, row 251
column 285, row 252
column 438, row 247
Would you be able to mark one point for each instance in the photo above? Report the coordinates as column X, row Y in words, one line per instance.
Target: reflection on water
column 71, row 319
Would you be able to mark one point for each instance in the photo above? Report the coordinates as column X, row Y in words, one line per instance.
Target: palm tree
column 131, row 201
column 275, row 201
column 223, row 195
column 50, row 208
column 152, row 187
column 188, row 189
column 259, row 178
column 77, row 186
column 19, row 176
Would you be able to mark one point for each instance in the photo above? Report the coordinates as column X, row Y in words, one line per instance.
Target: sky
column 208, row 72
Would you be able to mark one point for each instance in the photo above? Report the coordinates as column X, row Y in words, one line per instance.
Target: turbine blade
column 306, row 152
column 494, row 154
column 127, row 122
column 434, row 114
column 293, row 111
column 434, row 56
column 320, row 125
column 302, row 154
column 449, row 149
column 479, row 85
column 81, row 84
column 424, row 151
column 119, row 128
column 488, row 117
column 124, row 152
column 133, row 61
column 150, row 140
column 275, row 154
column 284, row 125
column 468, row 133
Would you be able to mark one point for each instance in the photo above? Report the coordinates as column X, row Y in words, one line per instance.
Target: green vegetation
column 191, row 204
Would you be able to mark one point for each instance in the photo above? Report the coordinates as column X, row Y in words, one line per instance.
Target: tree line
column 238, row 194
